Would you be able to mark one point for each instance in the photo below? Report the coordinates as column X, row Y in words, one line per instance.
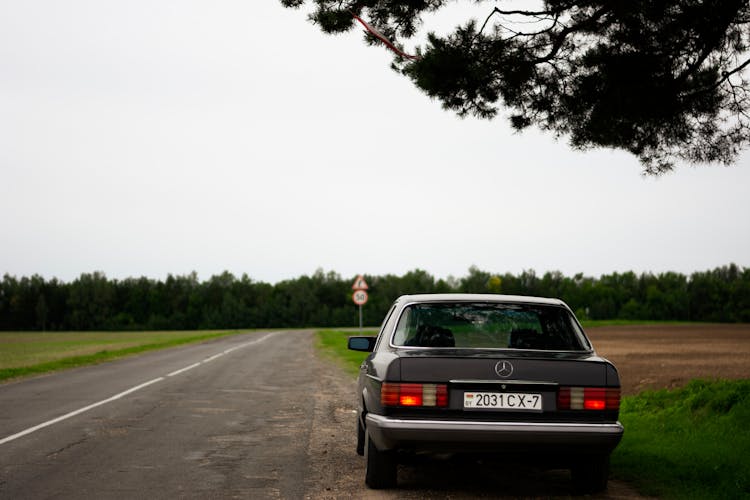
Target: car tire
column 380, row 466
column 360, row 438
column 590, row 475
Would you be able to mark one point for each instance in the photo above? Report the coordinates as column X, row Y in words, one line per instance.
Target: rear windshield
column 489, row 326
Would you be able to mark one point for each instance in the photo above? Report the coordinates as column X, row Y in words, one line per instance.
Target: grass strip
column 332, row 343
column 691, row 442
column 180, row 338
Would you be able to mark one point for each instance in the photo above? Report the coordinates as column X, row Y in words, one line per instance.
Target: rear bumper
column 458, row 435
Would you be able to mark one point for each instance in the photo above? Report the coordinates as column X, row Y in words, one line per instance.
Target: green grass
column 333, row 344
column 32, row 353
column 692, row 442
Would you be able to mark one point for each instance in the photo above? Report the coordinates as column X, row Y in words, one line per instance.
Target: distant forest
column 94, row 302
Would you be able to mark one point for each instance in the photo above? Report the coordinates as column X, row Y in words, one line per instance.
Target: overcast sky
column 145, row 138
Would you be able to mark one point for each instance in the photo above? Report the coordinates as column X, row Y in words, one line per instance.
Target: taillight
column 414, row 395
column 593, row 399
column 410, row 395
column 588, row 398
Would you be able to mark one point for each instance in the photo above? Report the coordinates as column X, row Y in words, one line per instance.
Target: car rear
column 456, row 401
column 488, row 374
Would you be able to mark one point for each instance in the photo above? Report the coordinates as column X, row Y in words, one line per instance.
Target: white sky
column 145, row 138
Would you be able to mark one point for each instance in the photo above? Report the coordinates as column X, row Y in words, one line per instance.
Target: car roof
column 479, row 297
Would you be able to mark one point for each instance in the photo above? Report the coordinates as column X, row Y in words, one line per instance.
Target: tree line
column 95, row 302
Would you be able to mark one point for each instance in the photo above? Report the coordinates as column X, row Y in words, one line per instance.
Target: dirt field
column 655, row 357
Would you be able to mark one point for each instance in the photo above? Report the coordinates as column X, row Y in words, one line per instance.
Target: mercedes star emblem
column 504, row 369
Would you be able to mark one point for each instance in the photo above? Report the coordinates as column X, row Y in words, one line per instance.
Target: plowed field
column 666, row 356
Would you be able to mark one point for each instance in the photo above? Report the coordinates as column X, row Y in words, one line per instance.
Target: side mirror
column 366, row 344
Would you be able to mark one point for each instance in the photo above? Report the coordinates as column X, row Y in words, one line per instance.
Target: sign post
column 360, row 296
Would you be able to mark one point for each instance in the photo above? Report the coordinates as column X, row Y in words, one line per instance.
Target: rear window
column 489, row 326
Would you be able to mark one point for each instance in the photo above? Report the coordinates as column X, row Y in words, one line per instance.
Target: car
column 496, row 376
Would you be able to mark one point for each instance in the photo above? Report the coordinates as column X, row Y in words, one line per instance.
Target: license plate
column 503, row 401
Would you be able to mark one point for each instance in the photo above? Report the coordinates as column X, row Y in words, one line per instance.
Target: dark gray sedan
column 513, row 377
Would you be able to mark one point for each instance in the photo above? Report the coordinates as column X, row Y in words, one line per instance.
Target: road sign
column 360, row 283
column 359, row 297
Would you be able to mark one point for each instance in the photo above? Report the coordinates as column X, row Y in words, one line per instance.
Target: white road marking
column 182, row 370
column 129, row 391
column 213, row 357
column 78, row 411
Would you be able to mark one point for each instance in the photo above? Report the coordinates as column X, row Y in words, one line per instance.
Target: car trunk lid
column 513, row 379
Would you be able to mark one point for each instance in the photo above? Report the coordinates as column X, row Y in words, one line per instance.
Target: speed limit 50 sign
column 359, row 297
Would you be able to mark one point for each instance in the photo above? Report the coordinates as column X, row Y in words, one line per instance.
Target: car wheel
column 590, row 475
column 360, row 438
column 380, row 466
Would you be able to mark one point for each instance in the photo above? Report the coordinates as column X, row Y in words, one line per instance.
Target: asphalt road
column 249, row 416
column 236, row 423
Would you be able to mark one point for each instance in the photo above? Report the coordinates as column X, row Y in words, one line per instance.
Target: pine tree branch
column 522, row 12
column 726, row 74
column 494, row 11
column 560, row 39
column 724, row 77
column 549, row 15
